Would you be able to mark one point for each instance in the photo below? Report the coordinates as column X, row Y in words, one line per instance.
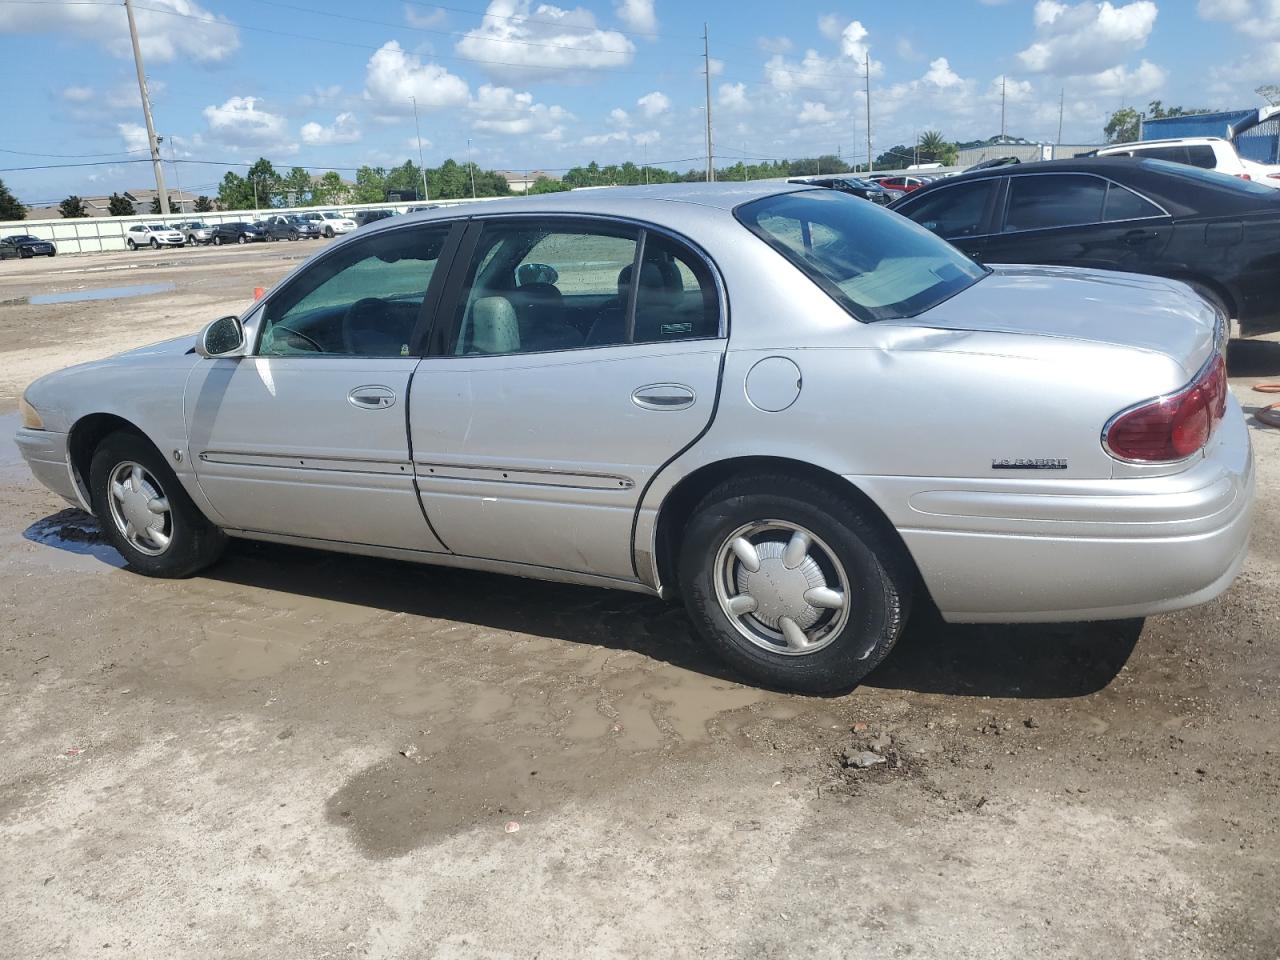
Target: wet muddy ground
column 304, row 754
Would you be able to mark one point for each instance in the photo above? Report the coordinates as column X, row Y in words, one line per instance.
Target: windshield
column 876, row 264
column 158, row 226
column 331, row 216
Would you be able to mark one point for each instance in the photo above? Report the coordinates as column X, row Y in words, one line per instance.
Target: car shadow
column 1014, row 661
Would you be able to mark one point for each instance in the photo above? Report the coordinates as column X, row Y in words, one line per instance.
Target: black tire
column 25, row 254
column 217, row 239
column 155, row 244
column 194, row 543
column 878, row 571
column 241, row 239
column 328, row 233
column 293, row 235
column 130, row 244
column 54, row 254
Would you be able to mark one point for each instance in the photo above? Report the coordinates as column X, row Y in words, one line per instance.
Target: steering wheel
column 315, row 347
column 369, row 319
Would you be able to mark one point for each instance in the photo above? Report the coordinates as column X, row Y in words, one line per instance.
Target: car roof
column 1180, row 189
column 1133, row 144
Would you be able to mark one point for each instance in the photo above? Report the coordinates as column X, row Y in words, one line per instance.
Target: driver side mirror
column 222, row 338
column 528, row 273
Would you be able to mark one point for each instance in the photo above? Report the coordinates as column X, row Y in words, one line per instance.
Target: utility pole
column 867, row 63
column 426, row 195
column 1002, row 128
column 253, row 178
column 1062, row 97
column 645, row 160
column 706, row 62
column 173, row 153
column 146, row 111
column 472, row 168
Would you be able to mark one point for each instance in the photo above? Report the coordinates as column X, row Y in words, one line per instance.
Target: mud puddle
column 99, row 293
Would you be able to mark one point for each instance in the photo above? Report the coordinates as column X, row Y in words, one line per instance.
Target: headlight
column 30, row 417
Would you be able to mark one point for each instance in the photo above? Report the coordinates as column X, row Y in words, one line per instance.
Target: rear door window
column 1042, row 201
column 1123, row 204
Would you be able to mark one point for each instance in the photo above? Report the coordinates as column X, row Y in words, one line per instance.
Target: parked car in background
column 281, row 227
column 1219, row 234
column 237, row 232
column 904, row 184
column 366, row 217
column 992, row 162
column 854, row 186
column 334, row 224
column 787, row 478
column 421, row 207
column 196, row 232
column 22, row 246
column 154, row 235
column 307, row 229
column 1208, row 153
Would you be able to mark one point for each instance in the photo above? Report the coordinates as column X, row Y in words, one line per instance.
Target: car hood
column 165, row 348
column 1100, row 306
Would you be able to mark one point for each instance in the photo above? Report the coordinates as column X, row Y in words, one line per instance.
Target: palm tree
column 932, row 146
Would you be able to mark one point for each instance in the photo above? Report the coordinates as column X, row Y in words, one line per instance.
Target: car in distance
column 1217, row 233
column 281, row 227
column 423, row 207
column 1208, row 153
column 779, row 469
column 237, row 231
column 854, row 186
column 307, row 229
column 902, row 184
column 334, row 224
column 154, row 235
column 196, row 232
column 366, row 217
column 23, row 246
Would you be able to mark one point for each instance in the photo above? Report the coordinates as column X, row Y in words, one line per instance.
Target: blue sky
column 326, row 84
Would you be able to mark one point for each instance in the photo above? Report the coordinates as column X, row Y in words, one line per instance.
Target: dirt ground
column 300, row 754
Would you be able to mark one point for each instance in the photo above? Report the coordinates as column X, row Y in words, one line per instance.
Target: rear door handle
column 1135, row 237
column 372, row 397
column 663, row 396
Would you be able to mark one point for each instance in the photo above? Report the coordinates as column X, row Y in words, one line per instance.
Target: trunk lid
column 1099, row 306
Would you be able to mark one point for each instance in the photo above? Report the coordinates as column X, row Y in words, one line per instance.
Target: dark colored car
column 24, row 246
column 852, row 185
column 1218, row 233
column 993, row 162
column 283, row 227
column 237, row 232
column 366, row 217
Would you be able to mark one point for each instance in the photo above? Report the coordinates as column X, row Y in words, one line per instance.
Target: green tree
column 264, row 184
column 203, row 205
column 1156, row 110
column 330, row 189
column 155, row 204
column 72, row 207
column 235, row 192
column 296, row 188
column 371, row 185
column 932, row 148
column 1123, row 126
column 1269, row 92
column 547, row 185
column 119, row 206
column 405, row 180
column 10, row 207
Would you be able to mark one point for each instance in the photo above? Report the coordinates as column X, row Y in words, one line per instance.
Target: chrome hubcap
column 139, row 508
column 781, row 587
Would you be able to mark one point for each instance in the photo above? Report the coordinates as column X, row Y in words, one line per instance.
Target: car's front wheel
column 155, row 244
column 217, row 239
column 793, row 584
column 328, row 232
column 241, row 238
column 145, row 513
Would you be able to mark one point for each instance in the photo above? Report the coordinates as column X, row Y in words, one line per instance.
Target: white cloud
column 646, row 137
column 775, row 44
column 344, row 129
column 941, row 75
column 1119, row 81
column 812, row 113
column 733, row 96
column 134, row 136
column 393, row 76
column 619, row 117
column 79, row 94
column 1086, row 37
column 600, row 139
column 654, row 104
column 424, row 18
column 637, row 14
column 503, row 111
column 208, row 38
column 551, row 41
column 1223, row 9
column 239, row 122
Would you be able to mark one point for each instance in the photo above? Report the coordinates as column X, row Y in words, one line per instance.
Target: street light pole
column 426, row 194
column 472, row 169
column 152, row 142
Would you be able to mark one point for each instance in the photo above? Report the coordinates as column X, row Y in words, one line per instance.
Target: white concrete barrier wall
column 96, row 234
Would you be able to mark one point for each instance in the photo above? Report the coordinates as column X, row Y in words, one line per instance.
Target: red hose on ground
column 1270, row 415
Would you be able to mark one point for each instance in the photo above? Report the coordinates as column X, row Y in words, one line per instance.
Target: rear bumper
column 1088, row 550
column 46, row 454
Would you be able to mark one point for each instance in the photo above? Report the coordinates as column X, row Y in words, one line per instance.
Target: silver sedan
column 793, row 410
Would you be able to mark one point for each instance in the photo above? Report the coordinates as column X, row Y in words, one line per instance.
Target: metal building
column 1256, row 132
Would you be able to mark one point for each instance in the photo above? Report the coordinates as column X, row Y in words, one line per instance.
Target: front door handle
column 372, row 397
column 663, row 396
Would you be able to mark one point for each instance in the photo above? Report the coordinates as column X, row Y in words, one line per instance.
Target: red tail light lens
column 1173, row 427
column 1244, row 176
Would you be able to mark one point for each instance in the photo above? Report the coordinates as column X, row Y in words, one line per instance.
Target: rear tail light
column 1174, row 427
column 1244, row 176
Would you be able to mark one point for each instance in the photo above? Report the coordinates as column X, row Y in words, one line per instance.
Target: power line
column 73, row 156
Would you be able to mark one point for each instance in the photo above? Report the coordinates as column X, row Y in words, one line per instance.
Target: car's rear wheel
column 130, row 244
column 145, row 513
column 792, row 584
